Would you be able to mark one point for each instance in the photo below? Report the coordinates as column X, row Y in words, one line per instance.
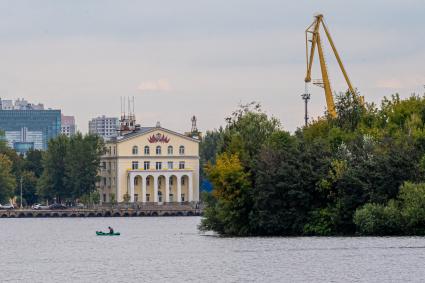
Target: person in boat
column 111, row 231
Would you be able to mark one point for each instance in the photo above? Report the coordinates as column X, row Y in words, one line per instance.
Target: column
column 143, row 189
column 179, row 189
column 131, row 188
column 190, row 187
column 167, row 188
column 155, row 189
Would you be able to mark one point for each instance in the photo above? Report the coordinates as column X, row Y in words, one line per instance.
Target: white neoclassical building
column 150, row 165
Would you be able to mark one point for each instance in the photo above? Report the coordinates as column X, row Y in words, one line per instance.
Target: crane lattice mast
column 313, row 41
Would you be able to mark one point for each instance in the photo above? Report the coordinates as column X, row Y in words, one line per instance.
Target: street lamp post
column 21, row 192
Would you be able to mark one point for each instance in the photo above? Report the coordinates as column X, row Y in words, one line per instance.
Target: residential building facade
column 68, row 125
column 150, row 165
column 106, row 127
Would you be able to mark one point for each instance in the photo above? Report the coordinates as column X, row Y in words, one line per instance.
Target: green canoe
column 99, row 233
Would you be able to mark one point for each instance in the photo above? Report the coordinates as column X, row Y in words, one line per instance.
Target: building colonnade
column 160, row 186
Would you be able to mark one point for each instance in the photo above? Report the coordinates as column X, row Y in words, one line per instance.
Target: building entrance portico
column 160, row 186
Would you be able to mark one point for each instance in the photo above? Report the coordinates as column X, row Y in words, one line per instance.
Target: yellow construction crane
column 313, row 39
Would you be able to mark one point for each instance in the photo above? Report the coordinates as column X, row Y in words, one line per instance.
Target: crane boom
column 314, row 30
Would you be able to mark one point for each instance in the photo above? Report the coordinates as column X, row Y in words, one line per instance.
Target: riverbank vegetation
column 66, row 171
column 362, row 172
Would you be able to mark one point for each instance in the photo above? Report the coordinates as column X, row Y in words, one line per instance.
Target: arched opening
column 138, row 182
column 147, row 150
column 185, row 188
column 161, row 188
column 149, row 189
column 181, row 150
column 173, row 188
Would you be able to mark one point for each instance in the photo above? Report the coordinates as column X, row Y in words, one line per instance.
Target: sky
column 202, row 57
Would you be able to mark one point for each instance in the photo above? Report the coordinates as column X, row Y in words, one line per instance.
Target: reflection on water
column 165, row 249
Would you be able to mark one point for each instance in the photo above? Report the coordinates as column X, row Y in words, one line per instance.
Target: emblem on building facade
column 158, row 138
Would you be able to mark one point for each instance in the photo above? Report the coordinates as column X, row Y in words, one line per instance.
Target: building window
column 147, row 150
column 181, row 165
column 181, row 150
column 170, row 150
column 171, row 181
column 104, row 165
column 148, row 181
column 104, row 182
column 135, row 150
column 170, row 165
column 146, row 165
column 158, row 165
column 148, row 197
column 136, row 181
column 135, row 165
column 104, row 197
column 136, row 197
column 158, row 150
column 183, row 181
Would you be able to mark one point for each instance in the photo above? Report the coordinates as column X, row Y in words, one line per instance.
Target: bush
column 413, row 212
column 322, row 222
column 403, row 217
column 377, row 219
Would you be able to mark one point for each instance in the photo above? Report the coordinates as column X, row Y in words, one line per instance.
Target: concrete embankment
column 135, row 211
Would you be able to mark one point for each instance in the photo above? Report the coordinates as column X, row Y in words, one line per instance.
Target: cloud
column 154, row 86
column 389, row 83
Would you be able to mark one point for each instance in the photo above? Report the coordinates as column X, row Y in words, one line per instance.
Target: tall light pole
column 21, row 191
column 306, row 97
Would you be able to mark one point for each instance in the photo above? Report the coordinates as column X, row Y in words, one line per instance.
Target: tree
column 7, row 180
column 33, row 162
column 228, row 208
column 281, row 201
column 82, row 161
column 52, row 182
column 29, row 187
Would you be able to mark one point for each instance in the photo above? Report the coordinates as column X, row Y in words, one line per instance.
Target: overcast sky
column 198, row 57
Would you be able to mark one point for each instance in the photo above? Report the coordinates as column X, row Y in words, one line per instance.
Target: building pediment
column 155, row 135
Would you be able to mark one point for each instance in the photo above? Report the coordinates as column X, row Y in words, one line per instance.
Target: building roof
column 145, row 130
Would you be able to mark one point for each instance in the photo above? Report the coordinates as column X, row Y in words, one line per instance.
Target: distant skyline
column 203, row 58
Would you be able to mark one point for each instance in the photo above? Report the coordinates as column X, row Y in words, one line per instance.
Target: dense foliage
column 66, row 171
column 337, row 176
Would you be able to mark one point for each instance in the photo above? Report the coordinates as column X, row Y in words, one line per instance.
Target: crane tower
column 313, row 41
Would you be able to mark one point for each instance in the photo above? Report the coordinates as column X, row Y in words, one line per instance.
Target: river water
column 170, row 249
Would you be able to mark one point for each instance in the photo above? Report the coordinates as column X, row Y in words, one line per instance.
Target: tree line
column 65, row 172
column 362, row 172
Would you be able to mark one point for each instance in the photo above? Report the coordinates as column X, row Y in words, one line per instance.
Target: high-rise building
column 68, row 125
column 27, row 126
column 106, row 127
column 19, row 104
